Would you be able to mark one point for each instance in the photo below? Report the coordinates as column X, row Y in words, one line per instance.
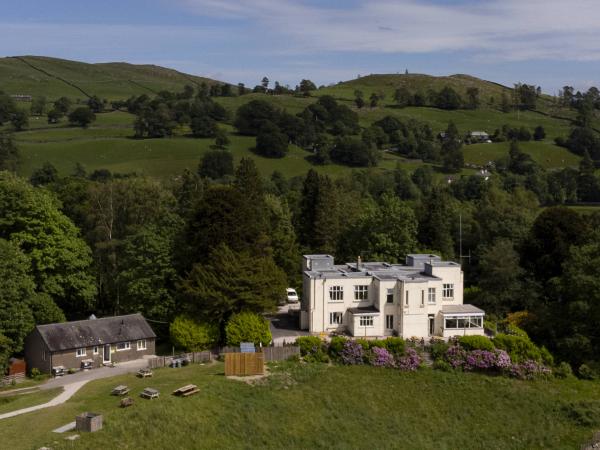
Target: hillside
column 53, row 78
column 298, row 406
column 108, row 144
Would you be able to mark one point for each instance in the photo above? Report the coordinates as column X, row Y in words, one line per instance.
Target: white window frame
column 95, row 350
column 336, row 293
column 431, row 295
column 390, row 292
column 141, row 345
column 336, row 318
column 448, row 291
column 80, row 352
column 361, row 292
column 126, row 346
column 389, row 321
column 366, row 321
column 469, row 321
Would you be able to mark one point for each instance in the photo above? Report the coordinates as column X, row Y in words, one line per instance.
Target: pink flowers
column 354, row 354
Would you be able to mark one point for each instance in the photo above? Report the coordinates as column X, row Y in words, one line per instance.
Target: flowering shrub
column 380, row 357
column 458, row 357
column 410, row 362
column 529, row 370
column 352, row 353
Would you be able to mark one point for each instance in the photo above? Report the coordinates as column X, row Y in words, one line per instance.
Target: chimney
column 358, row 263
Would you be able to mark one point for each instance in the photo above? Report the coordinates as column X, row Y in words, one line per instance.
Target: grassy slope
column 108, row 145
column 107, row 80
column 24, row 400
column 321, row 407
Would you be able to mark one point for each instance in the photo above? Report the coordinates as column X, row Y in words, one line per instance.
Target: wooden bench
column 186, row 391
column 125, row 402
column 150, row 393
column 143, row 373
column 120, row 390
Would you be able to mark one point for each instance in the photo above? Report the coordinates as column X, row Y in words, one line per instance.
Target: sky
column 550, row 43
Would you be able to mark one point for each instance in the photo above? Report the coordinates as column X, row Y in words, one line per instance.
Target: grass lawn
column 316, row 406
column 545, row 153
column 10, row 403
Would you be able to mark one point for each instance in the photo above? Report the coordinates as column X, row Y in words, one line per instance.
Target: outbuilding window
column 95, row 350
column 80, row 352
column 123, row 346
column 141, row 344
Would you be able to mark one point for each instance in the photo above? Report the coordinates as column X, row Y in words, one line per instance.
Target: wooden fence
column 270, row 354
column 244, row 364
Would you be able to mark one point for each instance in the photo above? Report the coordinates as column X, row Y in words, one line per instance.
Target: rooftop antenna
column 460, row 251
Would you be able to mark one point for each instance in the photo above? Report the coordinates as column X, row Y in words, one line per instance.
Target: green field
column 319, row 406
column 26, row 399
column 53, row 78
column 109, row 144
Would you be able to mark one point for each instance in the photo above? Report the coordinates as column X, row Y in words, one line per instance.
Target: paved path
column 284, row 325
column 72, row 383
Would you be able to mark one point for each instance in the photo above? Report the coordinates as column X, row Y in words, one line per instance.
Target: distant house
column 421, row 298
column 21, row 97
column 478, row 136
column 89, row 343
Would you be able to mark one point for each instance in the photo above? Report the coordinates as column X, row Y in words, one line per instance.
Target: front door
column 431, row 325
column 106, row 358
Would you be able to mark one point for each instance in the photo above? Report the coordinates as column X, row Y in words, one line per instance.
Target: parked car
column 292, row 295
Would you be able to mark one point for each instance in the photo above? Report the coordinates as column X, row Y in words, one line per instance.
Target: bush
column 353, row 353
column 336, row 345
column 529, row 370
column 586, row 373
column 376, row 343
column 365, row 344
column 312, row 349
column 520, row 348
column 35, row 374
column 438, row 349
column 380, row 357
column 82, row 116
column 190, row 335
column 410, row 362
column 563, row 370
column 248, row 327
column 476, row 343
column 440, row 364
column 394, row 345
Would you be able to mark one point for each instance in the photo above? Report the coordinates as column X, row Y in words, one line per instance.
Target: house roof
column 364, row 311
column 87, row 333
column 464, row 309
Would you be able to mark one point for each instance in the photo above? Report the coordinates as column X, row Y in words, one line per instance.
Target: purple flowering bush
column 410, row 361
column 380, row 357
column 493, row 361
column 352, row 353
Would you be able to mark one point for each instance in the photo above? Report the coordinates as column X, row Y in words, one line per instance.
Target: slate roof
column 87, row 333
column 461, row 309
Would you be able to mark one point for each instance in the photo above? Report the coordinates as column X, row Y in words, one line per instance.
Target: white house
column 421, row 298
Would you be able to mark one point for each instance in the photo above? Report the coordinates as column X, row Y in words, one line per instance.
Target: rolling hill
column 108, row 144
column 53, row 78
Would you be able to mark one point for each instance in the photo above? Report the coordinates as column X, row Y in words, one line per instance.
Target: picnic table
column 143, row 373
column 187, row 390
column 150, row 393
column 120, row 390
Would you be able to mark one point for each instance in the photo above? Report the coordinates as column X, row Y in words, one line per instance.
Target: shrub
column 520, row 348
column 380, row 357
column 563, row 370
column 438, row 349
column 459, row 358
column 586, row 373
column 312, row 349
column 395, row 345
column 440, row 364
column 190, row 335
column 547, row 357
column 410, row 362
column 376, row 343
column 529, row 370
column 336, row 345
column 247, row 327
column 365, row 344
column 353, row 353
column 476, row 343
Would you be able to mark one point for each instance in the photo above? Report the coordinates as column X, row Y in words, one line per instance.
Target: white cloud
column 507, row 29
